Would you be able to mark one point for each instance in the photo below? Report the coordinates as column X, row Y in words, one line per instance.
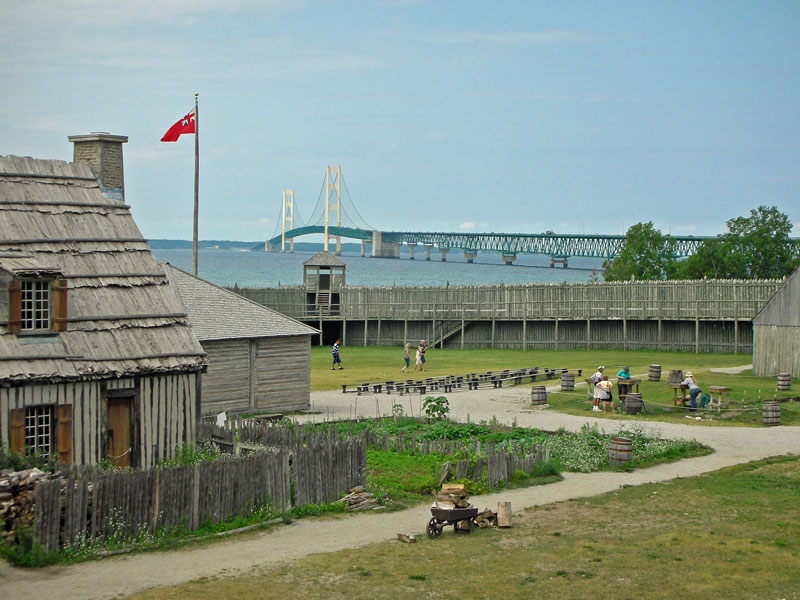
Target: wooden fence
column 105, row 504
column 683, row 300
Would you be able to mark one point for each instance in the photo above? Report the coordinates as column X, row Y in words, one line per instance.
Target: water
column 268, row 269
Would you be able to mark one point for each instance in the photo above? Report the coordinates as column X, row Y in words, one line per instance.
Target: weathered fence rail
column 101, row 504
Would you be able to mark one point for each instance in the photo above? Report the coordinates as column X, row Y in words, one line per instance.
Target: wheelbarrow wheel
column 434, row 528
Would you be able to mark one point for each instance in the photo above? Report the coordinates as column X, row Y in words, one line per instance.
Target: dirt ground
column 123, row 575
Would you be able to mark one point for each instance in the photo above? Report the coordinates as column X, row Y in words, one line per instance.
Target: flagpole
column 196, row 184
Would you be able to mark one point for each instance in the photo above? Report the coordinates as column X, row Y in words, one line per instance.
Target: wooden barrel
column 567, row 382
column 654, row 373
column 784, row 382
column 633, row 404
column 619, row 452
column 538, row 394
column 771, row 413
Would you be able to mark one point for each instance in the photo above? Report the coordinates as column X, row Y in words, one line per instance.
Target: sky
column 575, row 117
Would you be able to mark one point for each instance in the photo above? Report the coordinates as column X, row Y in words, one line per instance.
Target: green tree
column 646, row 254
column 757, row 247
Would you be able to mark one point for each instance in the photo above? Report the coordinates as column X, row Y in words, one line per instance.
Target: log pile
column 358, row 498
column 486, row 518
column 452, row 495
column 17, row 492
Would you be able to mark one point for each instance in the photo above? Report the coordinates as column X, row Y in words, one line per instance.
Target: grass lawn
column 381, row 363
column 734, row 533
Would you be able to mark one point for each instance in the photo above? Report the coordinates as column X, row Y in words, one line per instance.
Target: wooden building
column 97, row 359
column 258, row 359
column 776, row 332
column 323, row 281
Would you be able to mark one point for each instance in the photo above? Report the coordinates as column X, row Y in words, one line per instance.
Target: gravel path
column 123, row 575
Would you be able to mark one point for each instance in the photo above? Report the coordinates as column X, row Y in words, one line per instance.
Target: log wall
column 694, row 316
column 164, row 411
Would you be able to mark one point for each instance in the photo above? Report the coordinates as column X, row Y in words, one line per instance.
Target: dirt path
column 123, row 575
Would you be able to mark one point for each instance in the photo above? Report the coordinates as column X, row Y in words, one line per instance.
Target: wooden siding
column 257, row 374
column 164, row 410
column 226, row 383
column 776, row 350
column 283, row 367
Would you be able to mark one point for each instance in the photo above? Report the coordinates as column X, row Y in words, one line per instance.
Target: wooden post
column 504, row 514
column 195, row 499
column 462, row 328
column 659, row 335
column 378, row 341
column 556, row 335
column 492, row 331
column 696, row 335
column 624, row 333
column 344, row 331
column 405, row 329
column 588, row 333
column 366, row 322
column 736, row 336
column 524, row 334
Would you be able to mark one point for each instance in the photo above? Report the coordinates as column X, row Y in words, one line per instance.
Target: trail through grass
column 734, row 533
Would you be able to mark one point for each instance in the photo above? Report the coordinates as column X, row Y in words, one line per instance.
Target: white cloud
column 264, row 221
column 467, row 226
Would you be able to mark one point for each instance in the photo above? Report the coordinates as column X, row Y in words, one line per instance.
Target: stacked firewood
column 358, row 498
column 17, row 491
column 452, row 495
column 486, row 518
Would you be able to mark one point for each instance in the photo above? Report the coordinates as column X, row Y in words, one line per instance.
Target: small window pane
column 38, row 428
column 35, row 305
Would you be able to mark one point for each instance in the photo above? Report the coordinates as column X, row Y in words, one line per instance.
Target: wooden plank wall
column 283, row 374
column 226, row 383
column 776, row 350
column 165, row 407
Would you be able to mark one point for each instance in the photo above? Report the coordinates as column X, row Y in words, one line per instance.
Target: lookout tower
column 323, row 280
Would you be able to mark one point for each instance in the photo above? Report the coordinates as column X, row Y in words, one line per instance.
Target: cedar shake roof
column 324, row 259
column 123, row 316
column 219, row 314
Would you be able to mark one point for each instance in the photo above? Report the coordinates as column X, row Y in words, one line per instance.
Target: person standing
column 597, row 378
column 605, row 393
column 421, row 351
column 622, row 389
column 406, row 358
column 335, row 352
column 694, row 390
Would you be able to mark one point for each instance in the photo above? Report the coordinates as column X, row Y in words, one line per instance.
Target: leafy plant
column 436, row 409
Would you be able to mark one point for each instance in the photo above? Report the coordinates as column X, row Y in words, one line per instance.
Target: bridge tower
column 287, row 219
column 333, row 184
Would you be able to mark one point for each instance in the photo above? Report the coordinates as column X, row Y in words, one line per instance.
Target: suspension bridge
column 335, row 217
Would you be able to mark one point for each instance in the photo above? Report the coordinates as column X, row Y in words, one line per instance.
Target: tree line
column 754, row 247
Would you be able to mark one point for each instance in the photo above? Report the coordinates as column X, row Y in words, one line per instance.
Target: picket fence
column 93, row 504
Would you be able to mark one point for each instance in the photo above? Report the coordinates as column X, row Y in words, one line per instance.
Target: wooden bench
column 719, row 391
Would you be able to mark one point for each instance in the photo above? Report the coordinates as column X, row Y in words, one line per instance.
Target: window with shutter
column 37, row 305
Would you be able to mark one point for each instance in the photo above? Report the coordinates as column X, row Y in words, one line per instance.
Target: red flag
column 184, row 125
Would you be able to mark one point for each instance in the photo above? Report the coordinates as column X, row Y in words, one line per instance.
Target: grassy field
column 383, row 363
column 730, row 534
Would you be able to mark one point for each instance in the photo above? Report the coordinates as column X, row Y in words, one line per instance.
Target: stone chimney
column 103, row 152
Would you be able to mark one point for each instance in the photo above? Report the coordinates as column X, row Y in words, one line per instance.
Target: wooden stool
column 719, row 391
column 676, row 397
